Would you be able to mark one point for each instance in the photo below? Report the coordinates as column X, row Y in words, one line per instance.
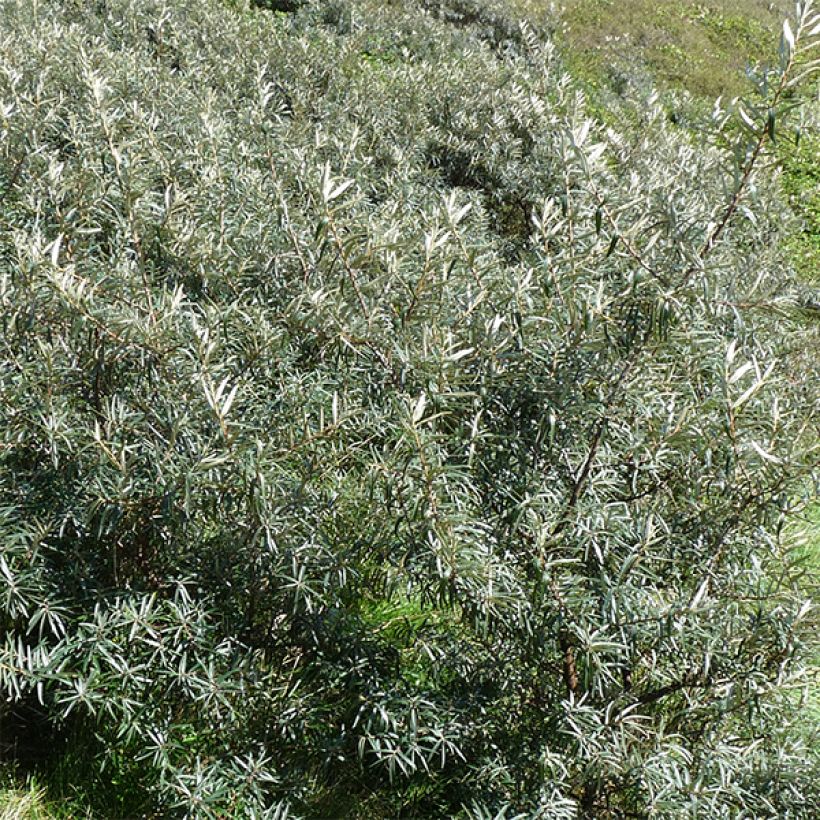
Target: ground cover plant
column 383, row 435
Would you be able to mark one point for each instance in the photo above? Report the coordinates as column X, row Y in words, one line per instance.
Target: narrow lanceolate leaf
column 741, row 372
column 700, row 594
column 764, row 454
column 227, row 403
column 418, row 408
column 788, row 36
column 612, row 243
column 770, row 125
column 747, row 120
column 339, row 190
column 55, row 250
column 454, row 357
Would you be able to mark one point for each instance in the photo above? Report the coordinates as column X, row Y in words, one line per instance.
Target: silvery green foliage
column 382, row 434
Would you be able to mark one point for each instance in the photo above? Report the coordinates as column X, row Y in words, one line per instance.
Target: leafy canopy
column 383, row 436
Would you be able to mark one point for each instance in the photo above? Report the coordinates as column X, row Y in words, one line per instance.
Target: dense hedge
column 381, row 436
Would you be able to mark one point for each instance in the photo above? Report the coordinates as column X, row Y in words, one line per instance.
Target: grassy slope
column 702, row 47
column 802, row 184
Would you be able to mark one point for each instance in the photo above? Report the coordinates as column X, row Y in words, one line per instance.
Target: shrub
column 382, row 436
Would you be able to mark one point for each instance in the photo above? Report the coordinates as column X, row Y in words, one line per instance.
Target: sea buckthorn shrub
column 384, row 436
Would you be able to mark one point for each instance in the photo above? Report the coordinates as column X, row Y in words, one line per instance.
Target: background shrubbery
column 384, row 436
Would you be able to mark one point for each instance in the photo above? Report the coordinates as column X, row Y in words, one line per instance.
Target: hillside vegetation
column 703, row 47
column 393, row 426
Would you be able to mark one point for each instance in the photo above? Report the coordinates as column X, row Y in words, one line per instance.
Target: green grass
column 69, row 787
column 702, row 47
column 801, row 182
column 26, row 801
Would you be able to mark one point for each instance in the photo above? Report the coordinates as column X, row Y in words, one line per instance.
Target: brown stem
column 351, row 275
column 570, row 667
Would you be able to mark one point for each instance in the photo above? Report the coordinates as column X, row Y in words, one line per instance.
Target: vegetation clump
column 381, row 435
